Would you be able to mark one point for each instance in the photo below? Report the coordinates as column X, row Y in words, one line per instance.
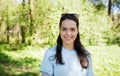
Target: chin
column 68, row 43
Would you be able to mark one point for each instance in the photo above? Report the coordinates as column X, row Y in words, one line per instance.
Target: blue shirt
column 71, row 67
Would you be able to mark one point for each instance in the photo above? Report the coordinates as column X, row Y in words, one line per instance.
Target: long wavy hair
column 81, row 52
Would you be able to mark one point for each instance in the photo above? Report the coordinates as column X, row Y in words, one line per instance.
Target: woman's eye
column 63, row 29
column 72, row 29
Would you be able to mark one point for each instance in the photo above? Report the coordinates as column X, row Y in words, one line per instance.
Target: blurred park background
column 29, row 27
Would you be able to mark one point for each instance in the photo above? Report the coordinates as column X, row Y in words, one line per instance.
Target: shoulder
column 51, row 51
column 87, row 53
column 89, row 57
column 52, row 48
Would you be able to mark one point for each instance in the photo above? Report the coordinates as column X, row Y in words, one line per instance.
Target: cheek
column 61, row 34
column 75, row 34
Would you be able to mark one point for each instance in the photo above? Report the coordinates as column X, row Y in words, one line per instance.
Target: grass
column 26, row 61
column 106, row 60
column 20, row 62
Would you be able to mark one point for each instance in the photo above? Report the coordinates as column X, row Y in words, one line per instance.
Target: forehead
column 68, row 23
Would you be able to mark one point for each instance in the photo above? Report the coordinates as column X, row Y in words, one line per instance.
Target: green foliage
column 105, row 60
column 4, row 58
column 112, row 36
column 20, row 62
column 2, row 72
column 95, row 25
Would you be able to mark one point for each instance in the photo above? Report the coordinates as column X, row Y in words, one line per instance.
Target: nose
column 68, row 33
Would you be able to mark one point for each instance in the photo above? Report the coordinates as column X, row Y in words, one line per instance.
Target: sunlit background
column 29, row 27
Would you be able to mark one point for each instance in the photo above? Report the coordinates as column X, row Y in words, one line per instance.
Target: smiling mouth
column 68, row 38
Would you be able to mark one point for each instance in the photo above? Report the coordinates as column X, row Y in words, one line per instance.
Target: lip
column 68, row 38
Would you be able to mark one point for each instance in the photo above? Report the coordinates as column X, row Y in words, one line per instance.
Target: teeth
column 68, row 38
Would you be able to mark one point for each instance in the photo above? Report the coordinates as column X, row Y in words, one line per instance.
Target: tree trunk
column 31, row 7
column 22, row 27
column 1, row 20
column 8, row 38
column 8, row 26
column 23, row 33
column 109, row 7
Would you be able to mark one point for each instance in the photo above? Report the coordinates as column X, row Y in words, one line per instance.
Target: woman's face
column 68, row 31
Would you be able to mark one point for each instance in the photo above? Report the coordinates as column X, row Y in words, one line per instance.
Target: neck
column 68, row 46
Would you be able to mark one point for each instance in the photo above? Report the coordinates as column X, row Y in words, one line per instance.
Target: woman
column 68, row 57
